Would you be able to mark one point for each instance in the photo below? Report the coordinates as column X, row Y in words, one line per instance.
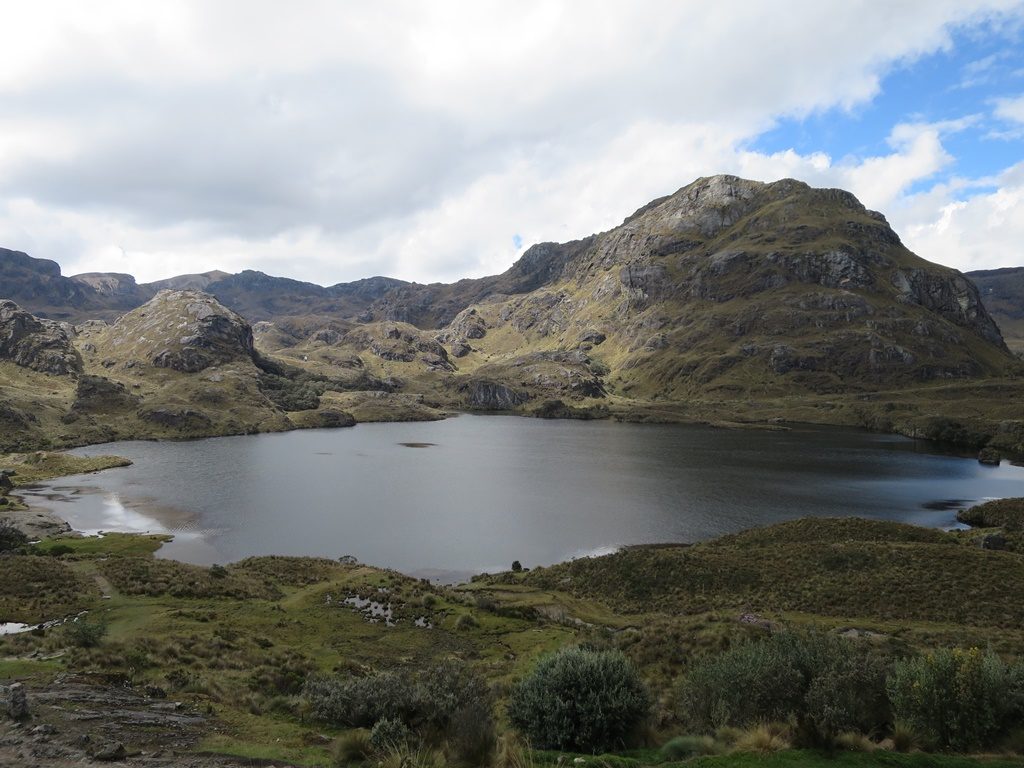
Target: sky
column 432, row 140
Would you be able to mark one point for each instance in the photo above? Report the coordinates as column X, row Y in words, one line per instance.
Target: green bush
column 85, row 633
column 580, row 700
column 446, row 689
column 11, row 538
column 685, row 747
column 826, row 684
column 389, row 734
column 958, row 699
column 434, row 700
column 359, row 702
column 472, row 735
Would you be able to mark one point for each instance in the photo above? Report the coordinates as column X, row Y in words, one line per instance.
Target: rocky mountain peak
column 108, row 283
column 184, row 330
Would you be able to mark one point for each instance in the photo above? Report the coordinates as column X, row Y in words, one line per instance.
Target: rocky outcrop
column 1002, row 293
column 42, row 345
column 178, row 418
column 951, row 296
column 186, row 331
column 491, row 395
column 100, row 396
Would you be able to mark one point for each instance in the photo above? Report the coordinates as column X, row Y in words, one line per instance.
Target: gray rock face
column 953, row 296
column 42, row 345
column 492, row 396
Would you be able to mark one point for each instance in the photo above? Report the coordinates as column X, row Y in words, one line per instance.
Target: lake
column 450, row 498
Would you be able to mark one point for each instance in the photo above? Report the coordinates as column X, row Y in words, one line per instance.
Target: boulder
column 15, row 701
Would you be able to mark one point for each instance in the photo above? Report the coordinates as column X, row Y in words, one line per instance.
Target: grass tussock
column 37, row 589
column 825, row 567
column 147, row 576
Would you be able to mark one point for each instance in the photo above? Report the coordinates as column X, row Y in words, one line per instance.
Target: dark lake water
column 474, row 493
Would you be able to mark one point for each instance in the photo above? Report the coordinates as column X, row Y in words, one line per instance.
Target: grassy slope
column 211, row 637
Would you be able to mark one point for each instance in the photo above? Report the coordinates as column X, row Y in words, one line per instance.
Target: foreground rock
column 75, row 722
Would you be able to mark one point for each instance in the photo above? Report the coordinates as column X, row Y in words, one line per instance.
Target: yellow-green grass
column 121, row 544
column 215, row 637
column 45, row 465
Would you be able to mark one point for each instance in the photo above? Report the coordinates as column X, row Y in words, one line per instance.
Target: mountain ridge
column 728, row 299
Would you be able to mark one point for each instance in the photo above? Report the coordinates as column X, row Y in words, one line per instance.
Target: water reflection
column 487, row 490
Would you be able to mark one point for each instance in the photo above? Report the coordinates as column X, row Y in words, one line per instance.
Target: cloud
column 329, row 141
column 971, row 231
column 1011, row 109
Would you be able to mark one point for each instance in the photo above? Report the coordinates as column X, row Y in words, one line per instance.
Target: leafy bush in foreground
column 826, row 684
column 581, row 700
column 437, row 700
column 959, row 699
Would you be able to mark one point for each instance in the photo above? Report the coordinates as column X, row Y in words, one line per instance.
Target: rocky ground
column 72, row 721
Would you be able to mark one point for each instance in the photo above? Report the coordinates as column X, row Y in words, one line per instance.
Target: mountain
column 728, row 300
column 739, row 287
column 1002, row 291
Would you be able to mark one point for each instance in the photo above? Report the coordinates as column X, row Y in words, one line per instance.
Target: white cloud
column 1011, row 109
column 953, row 225
column 329, row 141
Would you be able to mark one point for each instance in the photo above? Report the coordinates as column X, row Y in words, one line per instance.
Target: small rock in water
column 989, row 456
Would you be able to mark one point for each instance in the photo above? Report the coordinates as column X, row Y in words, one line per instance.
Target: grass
column 239, row 640
column 107, row 545
column 36, row 589
column 1000, row 513
column 45, row 465
column 832, row 568
column 807, row 759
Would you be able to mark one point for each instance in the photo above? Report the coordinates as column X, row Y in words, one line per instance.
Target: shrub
column 466, row 621
column 579, row 700
column 767, row 737
column 11, row 538
column 846, row 693
column 389, row 733
column 446, row 689
column 438, row 699
column 472, row 736
column 684, row 747
column 511, row 752
column 352, row 747
column 359, row 701
column 827, row 684
column 85, row 633
column 959, row 699
column 282, row 674
column 905, row 738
